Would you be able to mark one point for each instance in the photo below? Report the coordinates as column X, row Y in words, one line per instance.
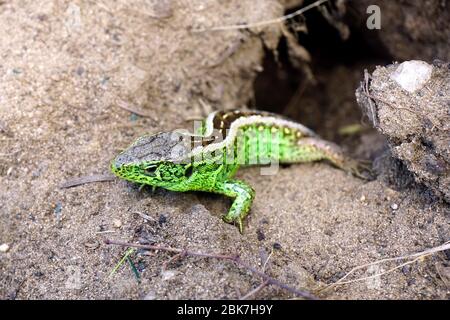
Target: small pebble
column 80, row 71
column 260, row 235
column 57, row 210
column 134, row 117
column 162, row 219
column 406, row 270
column 4, row 247
column 168, row 274
column 394, row 206
column 117, row 223
column 363, row 198
column 410, row 282
column 277, row 246
column 38, row 274
column 150, row 296
column 447, row 254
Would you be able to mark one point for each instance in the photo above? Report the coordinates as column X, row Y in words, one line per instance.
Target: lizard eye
column 150, row 171
column 188, row 172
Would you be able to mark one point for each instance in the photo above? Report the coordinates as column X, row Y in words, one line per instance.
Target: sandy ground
column 64, row 67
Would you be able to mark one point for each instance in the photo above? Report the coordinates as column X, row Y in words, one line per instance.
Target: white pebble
column 4, row 247
column 394, row 206
column 412, row 75
column 150, row 296
column 117, row 223
column 168, row 274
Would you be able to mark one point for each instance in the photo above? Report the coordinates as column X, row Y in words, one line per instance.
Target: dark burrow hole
column 328, row 105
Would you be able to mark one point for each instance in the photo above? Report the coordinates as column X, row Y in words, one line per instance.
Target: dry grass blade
column 266, row 22
column 415, row 257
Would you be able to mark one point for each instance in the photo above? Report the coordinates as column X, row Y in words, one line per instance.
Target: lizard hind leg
column 319, row 149
column 243, row 195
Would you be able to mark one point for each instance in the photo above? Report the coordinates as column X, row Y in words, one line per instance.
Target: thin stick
column 106, row 231
column 255, row 291
column 401, row 108
column 417, row 256
column 390, row 104
column 235, row 259
column 267, row 260
column 366, row 92
column 86, row 179
column 266, row 22
column 262, row 285
column 144, row 216
column 125, row 106
column 174, row 258
column 168, row 249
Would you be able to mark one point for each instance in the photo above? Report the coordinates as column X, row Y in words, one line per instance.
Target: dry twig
column 123, row 105
column 86, row 179
column 255, row 291
column 235, row 259
column 264, row 284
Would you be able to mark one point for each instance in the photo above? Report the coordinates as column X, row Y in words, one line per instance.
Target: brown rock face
column 410, row 29
column 410, row 104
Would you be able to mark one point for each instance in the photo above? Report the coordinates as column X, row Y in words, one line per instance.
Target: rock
column 4, row 248
column 168, row 274
column 412, row 75
column 150, row 296
column 117, row 223
column 409, row 104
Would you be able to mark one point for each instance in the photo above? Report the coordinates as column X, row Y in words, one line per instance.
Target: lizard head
column 156, row 160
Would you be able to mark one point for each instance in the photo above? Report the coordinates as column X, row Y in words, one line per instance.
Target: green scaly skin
column 254, row 138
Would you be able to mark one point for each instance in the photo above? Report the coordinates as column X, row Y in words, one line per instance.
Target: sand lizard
column 207, row 159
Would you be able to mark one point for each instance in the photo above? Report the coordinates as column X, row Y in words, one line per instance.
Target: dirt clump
column 409, row 104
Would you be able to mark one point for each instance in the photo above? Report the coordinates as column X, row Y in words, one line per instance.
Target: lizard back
column 254, row 138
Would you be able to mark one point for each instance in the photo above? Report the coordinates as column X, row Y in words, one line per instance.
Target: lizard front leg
column 243, row 195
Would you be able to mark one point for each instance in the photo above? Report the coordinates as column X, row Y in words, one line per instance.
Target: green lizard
column 207, row 159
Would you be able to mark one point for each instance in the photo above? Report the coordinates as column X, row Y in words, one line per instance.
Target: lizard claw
column 237, row 222
column 359, row 168
column 240, row 226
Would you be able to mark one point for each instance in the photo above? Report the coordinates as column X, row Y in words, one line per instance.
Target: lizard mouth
column 115, row 167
